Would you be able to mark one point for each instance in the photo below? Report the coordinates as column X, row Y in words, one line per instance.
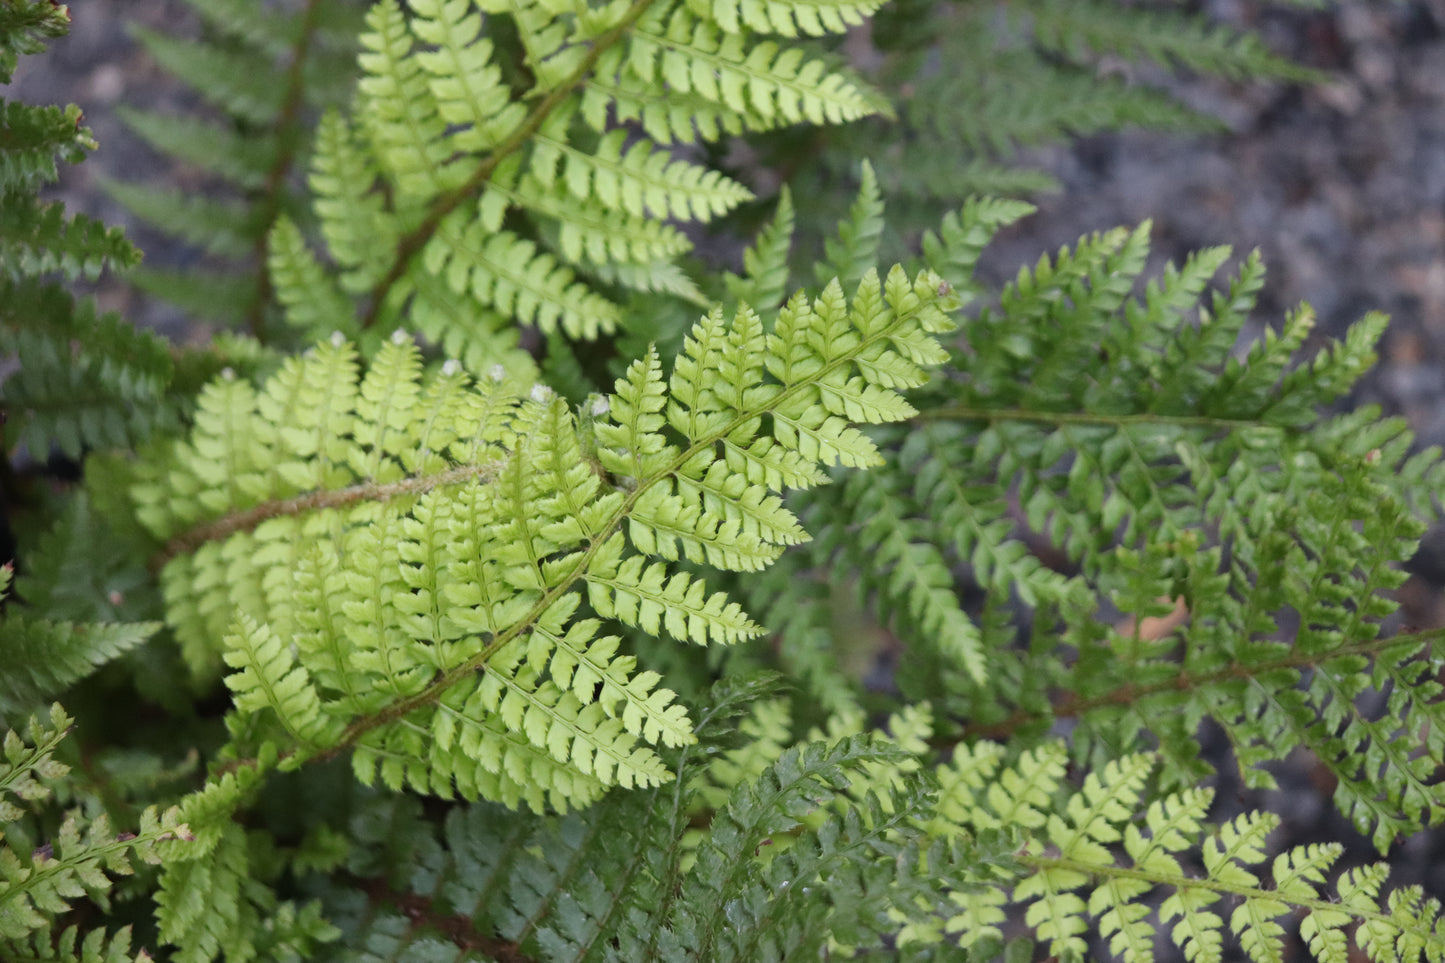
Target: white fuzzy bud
column 450, row 367
column 541, row 393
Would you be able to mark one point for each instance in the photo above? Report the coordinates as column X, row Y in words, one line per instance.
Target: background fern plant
column 482, row 600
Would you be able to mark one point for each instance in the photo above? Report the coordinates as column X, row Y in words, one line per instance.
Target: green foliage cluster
column 504, row 585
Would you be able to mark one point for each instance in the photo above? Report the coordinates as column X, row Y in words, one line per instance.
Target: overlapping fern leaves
column 621, row 881
column 842, row 845
column 1173, row 471
column 451, row 581
column 1169, row 476
column 480, row 183
column 426, row 568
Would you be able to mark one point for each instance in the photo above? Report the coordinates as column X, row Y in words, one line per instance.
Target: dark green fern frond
column 34, row 137
column 799, row 607
column 42, row 658
column 39, row 886
column 976, row 83
column 1086, row 30
column 1092, row 862
column 37, row 238
column 85, row 381
column 1174, row 475
column 25, row 26
column 267, row 73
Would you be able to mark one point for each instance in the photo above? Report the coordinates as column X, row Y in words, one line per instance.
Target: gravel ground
column 1342, row 187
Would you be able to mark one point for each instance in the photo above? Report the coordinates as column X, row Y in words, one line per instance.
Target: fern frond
column 43, row 658
column 799, row 609
column 516, row 211
column 1099, row 856
column 954, row 249
column 912, row 575
column 264, row 75
column 229, row 78
column 359, row 235
column 25, row 28
column 788, row 19
column 239, row 159
column 217, row 226
column 311, row 302
column 200, row 905
column 1093, row 28
column 38, row 238
column 854, row 250
column 640, row 180
column 34, row 136
column 402, row 119
column 79, row 859
column 619, row 881
column 98, row 946
column 765, row 283
column 30, row 760
column 468, row 87
column 509, row 275
column 86, row 380
column 444, row 528
column 268, row 678
column 801, row 780
column 1016, row 76
column 694, row 56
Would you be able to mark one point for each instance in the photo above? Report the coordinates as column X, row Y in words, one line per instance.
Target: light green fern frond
column 765, row 283
column 409, row 553
column 528, row 204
